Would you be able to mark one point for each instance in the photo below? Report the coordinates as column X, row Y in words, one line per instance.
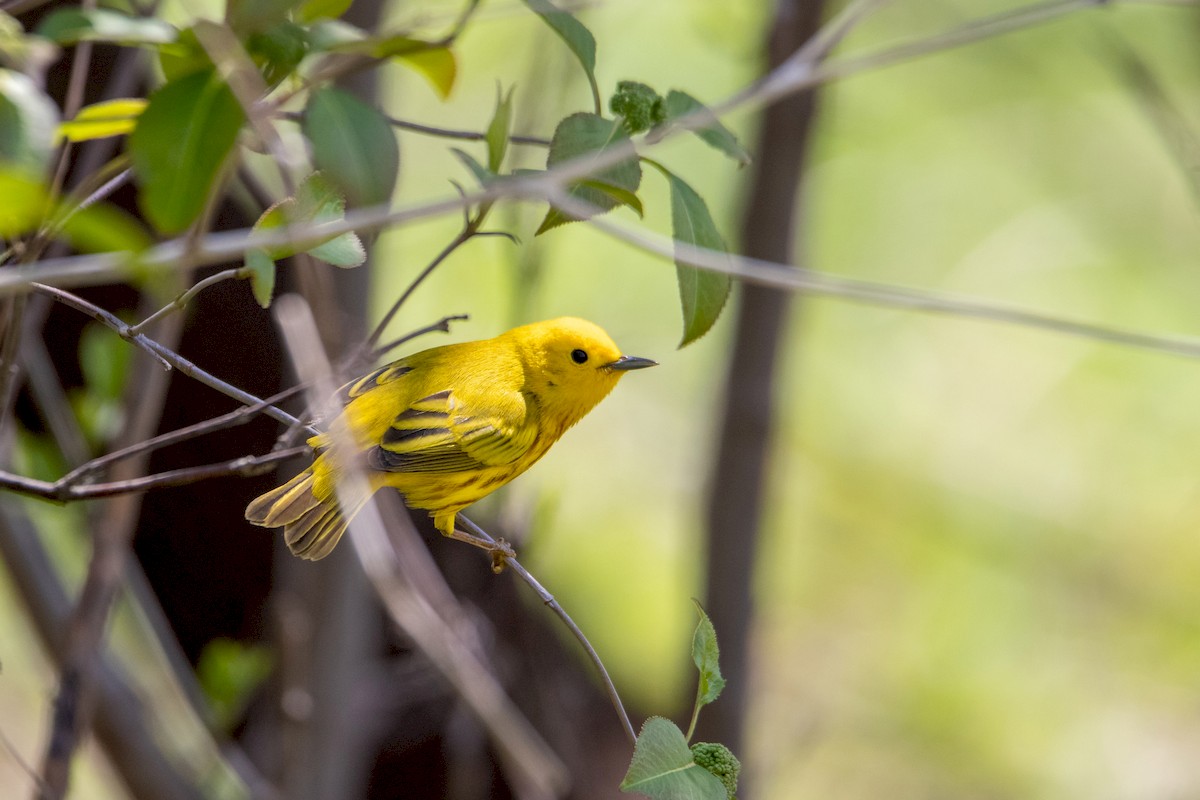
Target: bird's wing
column 437, row 434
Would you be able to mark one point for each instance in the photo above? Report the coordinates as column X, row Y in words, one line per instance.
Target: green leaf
column 278, row 50
column 262, row 276
column 101, row 120
column 179, row 146
column 184, row 56
column 702, row 293
column 498, row 129
column 679, row 104
column 436, row 63
column 662, row 767
column 229, row 673
column 622, row 196
column 578, row 135
column 27, row 122
column 343, row 251
column 312, row 10
column 353, row 144
column 253, row 16
column 575, row 34
column 71, row 25
column 316, row 201
column 104, row 360
column 24, row 203
column 481, row 173
column 105, row 229
column 706, row 655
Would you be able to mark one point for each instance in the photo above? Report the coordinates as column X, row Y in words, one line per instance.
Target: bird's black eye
column 579, row 356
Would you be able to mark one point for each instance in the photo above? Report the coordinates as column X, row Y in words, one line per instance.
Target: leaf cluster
column 230, row 85
column 664, row 767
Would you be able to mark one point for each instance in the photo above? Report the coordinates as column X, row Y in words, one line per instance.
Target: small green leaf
column 481, row 173
column 679, row 104
column 253, row 16
column 706, row 656
column 316, row 201
column 27, row 121
column 71, row 25
column 353, row 144
column 622, row 196
column 343, row 251
column 180, row 145
column 497, row 131
column 578, row 135
column 312, row 10
column 24, row 203
column 278, row 50
column 101, row 120
column 437, row 64
column 662, row 767
column 575, row 34
column 184, row 56
column 105, row 229
column 104, row 360
column 229, row 673
column 262, row 276
column 434, row 61
column 702, row 293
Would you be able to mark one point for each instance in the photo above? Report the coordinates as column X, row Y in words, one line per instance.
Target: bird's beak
column 631, row 362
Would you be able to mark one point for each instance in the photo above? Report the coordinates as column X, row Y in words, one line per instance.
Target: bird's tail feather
column 311, row 526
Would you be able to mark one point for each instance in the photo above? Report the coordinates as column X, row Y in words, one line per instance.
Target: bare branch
column 554, row 606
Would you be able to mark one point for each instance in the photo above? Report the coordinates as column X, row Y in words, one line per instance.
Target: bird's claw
column 500, row 551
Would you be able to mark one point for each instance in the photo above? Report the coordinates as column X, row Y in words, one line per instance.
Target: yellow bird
column 447, row 426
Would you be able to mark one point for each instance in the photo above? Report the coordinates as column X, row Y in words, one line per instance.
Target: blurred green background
column 980, row 568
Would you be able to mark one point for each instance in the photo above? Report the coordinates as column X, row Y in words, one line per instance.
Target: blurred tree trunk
column 769, row 231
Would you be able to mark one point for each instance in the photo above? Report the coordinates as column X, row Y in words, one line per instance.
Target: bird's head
column 571, row 364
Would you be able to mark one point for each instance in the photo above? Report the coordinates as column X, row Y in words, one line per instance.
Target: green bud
column 720, row 761
column 638, row 105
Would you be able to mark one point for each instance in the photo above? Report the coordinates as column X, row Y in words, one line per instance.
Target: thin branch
column 61, row 492
column 180, row 302
column 232, row 419
column 790, row 77
column 442, row 325
column 164, row 354
column 466, row 136
column 554, row 606
column 808, row 281
column 469, row 230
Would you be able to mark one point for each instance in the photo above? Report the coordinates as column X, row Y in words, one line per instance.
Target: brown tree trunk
column 769, row 231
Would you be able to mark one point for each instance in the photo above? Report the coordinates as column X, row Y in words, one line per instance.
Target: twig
column 442, row 325
column 236, row 417
column 180, row 302
column 469, row 230
column 808, row 281
column 164, row 354
column 466, row 136
column 554, row 606
column 63, row 492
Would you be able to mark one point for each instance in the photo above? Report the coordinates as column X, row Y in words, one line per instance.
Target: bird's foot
column 499, row 550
